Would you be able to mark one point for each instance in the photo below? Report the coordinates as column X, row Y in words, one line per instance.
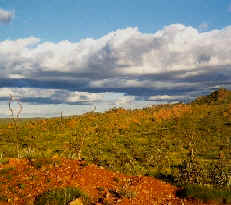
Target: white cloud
column 124, row 101
column 203, row 26
column 123, row 52
column 44, row 110
column 174, row 61
column 164, row 97
column 54, row 95
column 169, row 99
column 6, row 16
column 100, row 101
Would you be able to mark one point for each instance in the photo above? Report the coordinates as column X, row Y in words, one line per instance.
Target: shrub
column 191, row 171
column 205, row 193
column 218, row 174
column 61, row 196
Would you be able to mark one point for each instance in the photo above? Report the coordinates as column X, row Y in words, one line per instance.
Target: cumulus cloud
column 123, row 52
column 6, row 16
column 177, row 61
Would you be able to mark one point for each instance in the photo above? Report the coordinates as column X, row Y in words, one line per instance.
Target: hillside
column 96, row 184
column 220, row 96
column 187, row 145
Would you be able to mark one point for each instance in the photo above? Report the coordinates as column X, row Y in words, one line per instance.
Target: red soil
column 24, row 182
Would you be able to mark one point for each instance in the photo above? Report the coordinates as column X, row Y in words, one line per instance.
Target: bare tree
column 15, row 117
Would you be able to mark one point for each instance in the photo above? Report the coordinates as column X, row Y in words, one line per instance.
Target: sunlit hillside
column 187, row 145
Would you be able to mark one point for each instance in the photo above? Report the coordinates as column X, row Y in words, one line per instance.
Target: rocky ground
column 22, row 180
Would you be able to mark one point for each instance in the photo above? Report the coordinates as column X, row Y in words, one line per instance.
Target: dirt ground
column 22, row 180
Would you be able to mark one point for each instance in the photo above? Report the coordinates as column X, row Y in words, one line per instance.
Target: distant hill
column 220, row 96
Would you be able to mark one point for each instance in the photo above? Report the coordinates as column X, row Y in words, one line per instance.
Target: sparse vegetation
column 188, row 145
column 206, row 193
column 62, row 196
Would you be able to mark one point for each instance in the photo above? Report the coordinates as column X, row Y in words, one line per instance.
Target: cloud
column 6, row 16
column 124, row 101
column 203, row 26
column 177, row 61
column 50, row 96
column 121, row 53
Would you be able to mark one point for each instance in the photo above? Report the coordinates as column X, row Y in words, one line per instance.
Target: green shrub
column 61, row 196
column 4, row 161
column 218, row 174
column 3, row 198
column 38, row 163
column 205, row 193
column 191, row 172
column 5, row 171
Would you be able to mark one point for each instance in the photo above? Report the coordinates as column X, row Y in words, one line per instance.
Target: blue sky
column 76, row 54
column 72, row 20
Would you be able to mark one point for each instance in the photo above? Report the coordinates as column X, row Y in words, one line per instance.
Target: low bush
column 61, row 196
column 205, row 193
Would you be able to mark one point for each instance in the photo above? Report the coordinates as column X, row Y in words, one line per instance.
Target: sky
column 76, row 56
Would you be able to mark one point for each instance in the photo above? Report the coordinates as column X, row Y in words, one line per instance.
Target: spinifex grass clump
column 61, row 196
column 208, row 180
column 4, row 161
column 195, row 172
column 206, row 193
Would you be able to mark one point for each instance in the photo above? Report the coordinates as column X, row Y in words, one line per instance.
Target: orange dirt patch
column 22, row 180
